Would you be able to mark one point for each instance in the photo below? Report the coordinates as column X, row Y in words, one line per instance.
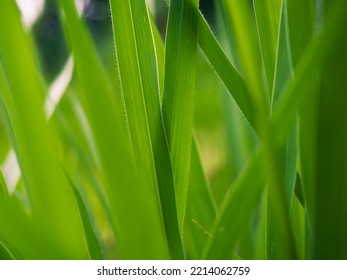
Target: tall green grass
column 227, row 142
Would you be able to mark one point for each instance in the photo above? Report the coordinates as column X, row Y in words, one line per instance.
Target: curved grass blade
column 135, row 227
column 93, row 244
column 138, row 71
column 179, row 87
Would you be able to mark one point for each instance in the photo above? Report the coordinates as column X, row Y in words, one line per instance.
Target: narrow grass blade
column 298, row 216
column 5, row 253
column 179, row 87
column 200, row 210
column 225, row 70
column 139, row 78
column 238, row 15
column 268, row 18
column 117, row 163
column 160, row 51
column 3, row 188
column 93, row 244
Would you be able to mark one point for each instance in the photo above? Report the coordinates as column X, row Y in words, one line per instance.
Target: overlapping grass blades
column 52, row 205
column 123, row 184
column 139, row 178
column 137, row 64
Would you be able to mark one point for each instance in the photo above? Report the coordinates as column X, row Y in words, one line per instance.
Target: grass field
column 143, row 131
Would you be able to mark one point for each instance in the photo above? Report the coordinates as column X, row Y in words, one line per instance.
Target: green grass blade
column 5, row 253
column 3, row 188
column 179, row 87
column 225, row 70
column 298, row 223
column 93, row 244
column 238, row 15
column 160, row 51
column 52, row 201
column 118, row 168
column 268, row 18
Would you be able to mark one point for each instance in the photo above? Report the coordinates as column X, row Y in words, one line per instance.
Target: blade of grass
column 118, row 167
column 268, row 18
column 5, row 253
column 94, row 246
column 201, row 211
column 179, row 87
column 137, row 59
column 225, row 70
column 3, row 188
column 298, row 223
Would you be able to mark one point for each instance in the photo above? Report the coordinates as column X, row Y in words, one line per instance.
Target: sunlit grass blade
column 200, row 209
column 52, row 202
column 268, row 18
column 138, row 71
column 135, row 227
column 3, row 188
column 160, row 52
column 225, row 70
column 238, row 15
column 181, row 46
